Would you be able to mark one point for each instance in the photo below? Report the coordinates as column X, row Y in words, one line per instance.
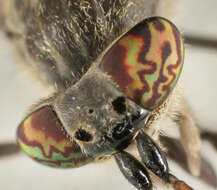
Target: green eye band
column 147, row 61
column 42, row 137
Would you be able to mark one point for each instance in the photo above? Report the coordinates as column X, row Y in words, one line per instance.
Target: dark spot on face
column 119, row 105
column 90, row 111
column 83, row 135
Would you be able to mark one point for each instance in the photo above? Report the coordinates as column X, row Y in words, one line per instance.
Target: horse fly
column 114, row 69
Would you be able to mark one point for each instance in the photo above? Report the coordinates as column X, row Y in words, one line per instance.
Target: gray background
column 18, row 92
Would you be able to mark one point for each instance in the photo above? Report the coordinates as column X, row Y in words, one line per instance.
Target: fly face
column 97, row 115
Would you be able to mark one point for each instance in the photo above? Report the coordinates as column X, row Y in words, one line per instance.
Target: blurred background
column 18, row 92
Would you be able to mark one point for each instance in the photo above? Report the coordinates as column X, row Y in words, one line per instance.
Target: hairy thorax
column 61, row 39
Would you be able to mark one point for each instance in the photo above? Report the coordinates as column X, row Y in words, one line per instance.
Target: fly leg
column 8, row 149
column 190, row 138
column 211, row 137
column 178, row 184
column 176, row 152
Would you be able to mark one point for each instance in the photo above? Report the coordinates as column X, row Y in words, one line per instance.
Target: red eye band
column 147, row 61
column 42, row 137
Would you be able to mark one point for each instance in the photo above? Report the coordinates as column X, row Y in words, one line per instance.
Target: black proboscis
column 133, row 170
column 153, row 158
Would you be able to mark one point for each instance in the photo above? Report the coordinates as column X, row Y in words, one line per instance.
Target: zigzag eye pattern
column 41, row 136
column 147, row 61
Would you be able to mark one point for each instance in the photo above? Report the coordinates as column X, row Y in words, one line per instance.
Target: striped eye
column 146, row 62
column 41, row 136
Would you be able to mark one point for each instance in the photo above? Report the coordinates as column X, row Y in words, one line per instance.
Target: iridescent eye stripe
column 147, row 61
column 41, row 136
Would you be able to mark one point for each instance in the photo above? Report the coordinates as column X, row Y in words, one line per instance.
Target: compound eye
column 146, row 62
column 41, row 136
